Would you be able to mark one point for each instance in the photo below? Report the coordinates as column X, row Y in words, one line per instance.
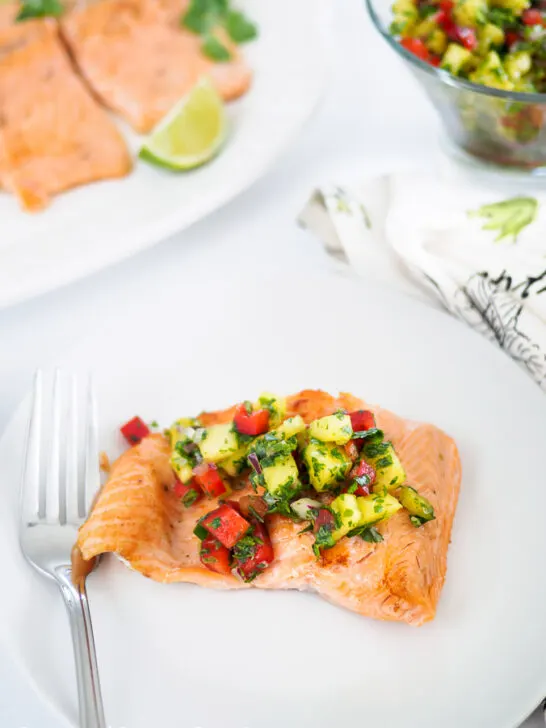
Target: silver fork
column 54, row 500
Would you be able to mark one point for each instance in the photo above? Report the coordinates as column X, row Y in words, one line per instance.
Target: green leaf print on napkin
column 509, row 217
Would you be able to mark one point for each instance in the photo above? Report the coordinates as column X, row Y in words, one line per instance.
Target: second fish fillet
column 139, row 61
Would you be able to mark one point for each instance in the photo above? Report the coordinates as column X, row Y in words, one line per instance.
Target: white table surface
column 361, row 127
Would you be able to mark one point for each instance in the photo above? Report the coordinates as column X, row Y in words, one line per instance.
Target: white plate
column 97, row 225
column 184, row 656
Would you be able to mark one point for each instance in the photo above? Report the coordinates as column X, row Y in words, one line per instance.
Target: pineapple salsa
column 496, row 43
column 338, row 476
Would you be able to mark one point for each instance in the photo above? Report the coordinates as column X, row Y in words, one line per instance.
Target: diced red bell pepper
column 208, row 478
column 257, row 558
column 250, row 423
column 361, row 470
column 189, row 493
column 324, row 518
column 415, row 46
column 362, row 420
column 532, row 16
column 351, row 450
column 135, row 430
column 435, row 61
column 511, row 37
column 233, row 504
column 215, row 556
column 444, row 18
column 467, row 38
column 226, row 524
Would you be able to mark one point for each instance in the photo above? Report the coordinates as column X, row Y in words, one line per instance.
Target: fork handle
column 91, row 709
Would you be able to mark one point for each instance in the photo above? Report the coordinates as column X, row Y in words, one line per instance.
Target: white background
column 373, row 118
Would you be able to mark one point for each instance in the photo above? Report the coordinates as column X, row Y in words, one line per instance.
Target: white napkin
column 479, row 252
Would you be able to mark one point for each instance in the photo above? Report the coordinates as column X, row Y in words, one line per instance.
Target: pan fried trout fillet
column 53, row 134
column 139, row 60
column 400, row 579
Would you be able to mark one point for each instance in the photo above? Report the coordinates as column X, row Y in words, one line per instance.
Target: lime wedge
column 191, row 133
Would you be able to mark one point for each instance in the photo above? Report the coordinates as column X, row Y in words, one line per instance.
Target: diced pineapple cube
column 456, row 58
column 236, row 463
column 276, row 406
column 334, row 428
column 290, row 427
column 437, row 41
column 517, row 64
column 346, row 508
column 389, row 471
column 220, row 441
column 376, row 507
column 328, row 465
column 181, row 466
column 470, row 13
column 405, row 16
column 491, row 72
column 489, row 36
column 516, row 6
column 425, row 28
column 282, row 478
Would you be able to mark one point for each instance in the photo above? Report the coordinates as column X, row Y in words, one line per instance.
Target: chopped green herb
column 254, row 513
column 375, row 450
column 502, row 17
column 39, row 9
column 215, row 49
column 372, row 434
column 323, row 538
column 245, row 549
column 383, row 462
column 200, row 531
column 240, row 29
column 426, row 10
column 190, row 497
column 371, row 535
column 215, row 523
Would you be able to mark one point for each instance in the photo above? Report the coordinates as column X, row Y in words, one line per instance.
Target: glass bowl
column 504, row 128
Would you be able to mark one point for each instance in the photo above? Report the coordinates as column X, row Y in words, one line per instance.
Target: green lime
column 191, row 133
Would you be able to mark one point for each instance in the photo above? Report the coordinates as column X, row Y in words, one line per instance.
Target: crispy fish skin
column 139, row 61
column 399, row 579
column 53, row 134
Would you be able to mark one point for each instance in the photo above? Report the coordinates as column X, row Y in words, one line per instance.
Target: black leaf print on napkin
column 490, row 307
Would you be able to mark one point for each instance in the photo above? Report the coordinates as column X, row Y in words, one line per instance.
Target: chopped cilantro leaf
column 240, row 29
column 39, row 9
column 245, row 549
column 215, row 49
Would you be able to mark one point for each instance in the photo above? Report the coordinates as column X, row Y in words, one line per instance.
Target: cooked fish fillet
column 53, row 134
column 399, row 579
column 139, row 60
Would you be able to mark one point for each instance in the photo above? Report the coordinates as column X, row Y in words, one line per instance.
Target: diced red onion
column 253, row 460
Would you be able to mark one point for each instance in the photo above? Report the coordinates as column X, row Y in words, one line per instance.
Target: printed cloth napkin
column 478, row 251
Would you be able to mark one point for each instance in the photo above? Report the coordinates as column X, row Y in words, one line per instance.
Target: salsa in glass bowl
column 483, row 66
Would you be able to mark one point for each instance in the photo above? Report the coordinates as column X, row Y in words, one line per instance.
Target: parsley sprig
column 205, row 17
column 39, row 9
